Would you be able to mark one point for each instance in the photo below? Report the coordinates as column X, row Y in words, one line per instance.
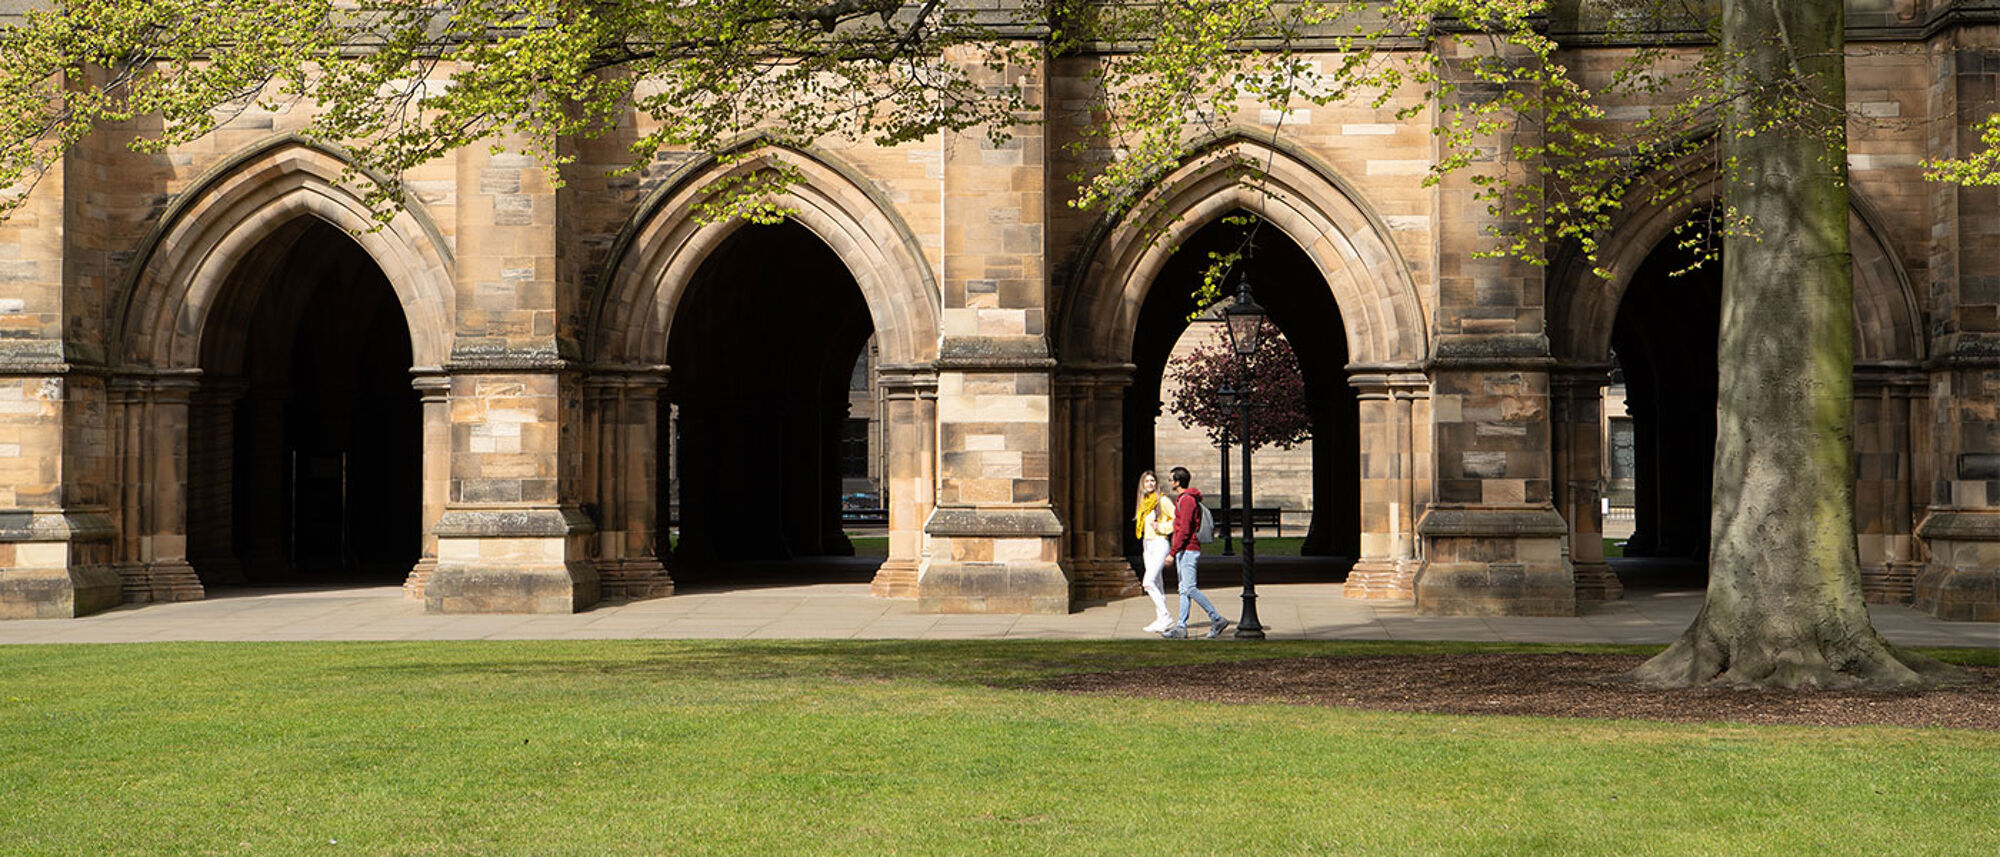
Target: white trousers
column 1154, row 558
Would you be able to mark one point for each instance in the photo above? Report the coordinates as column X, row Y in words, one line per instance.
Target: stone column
column 909, row 396
column 996, row 537
column 1577, row 421
column 622, row 479
column 513, row 537
column 1886, row 493
column 1392, row 494
column 1493, row 542
column 1961, row 528
column 56, row 534
column 434, row 392
column 152, row 416
column 511, row 540
column 1089, row 482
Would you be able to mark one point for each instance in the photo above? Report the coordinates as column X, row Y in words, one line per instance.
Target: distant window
column 1624, row 461
column 859, row 381
column 854, row 449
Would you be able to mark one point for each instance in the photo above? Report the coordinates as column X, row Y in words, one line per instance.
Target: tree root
column 1702, row 657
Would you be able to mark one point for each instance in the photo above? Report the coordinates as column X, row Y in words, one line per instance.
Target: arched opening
column 763, row 347
column 1663, row 443
column 305, row 440
column 1321, row 476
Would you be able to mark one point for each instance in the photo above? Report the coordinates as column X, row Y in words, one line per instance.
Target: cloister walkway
column 845, row 610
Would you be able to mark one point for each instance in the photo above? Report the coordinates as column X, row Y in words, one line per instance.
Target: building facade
column 216, row 369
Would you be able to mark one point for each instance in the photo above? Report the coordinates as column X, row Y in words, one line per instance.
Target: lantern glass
column 1245, row 320
column 1226, row 396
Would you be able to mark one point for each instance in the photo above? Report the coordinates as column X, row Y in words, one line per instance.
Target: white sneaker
column 1157, row 626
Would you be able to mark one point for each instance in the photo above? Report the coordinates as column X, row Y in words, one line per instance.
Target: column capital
column 907, row 380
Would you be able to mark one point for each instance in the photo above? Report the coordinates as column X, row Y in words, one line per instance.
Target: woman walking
column 1155, row 523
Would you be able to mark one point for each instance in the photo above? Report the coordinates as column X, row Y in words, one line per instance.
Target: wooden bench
column 864, row 517
column 1260, row 516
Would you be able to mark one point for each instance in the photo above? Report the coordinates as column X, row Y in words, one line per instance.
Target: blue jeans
column 1184, row 564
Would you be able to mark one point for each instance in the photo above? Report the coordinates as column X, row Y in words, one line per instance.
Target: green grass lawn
column 650, row 747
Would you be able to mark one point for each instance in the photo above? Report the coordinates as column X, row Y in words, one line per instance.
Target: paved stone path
column 847, row 611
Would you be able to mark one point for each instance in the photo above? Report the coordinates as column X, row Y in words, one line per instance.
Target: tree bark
column 1784, row 606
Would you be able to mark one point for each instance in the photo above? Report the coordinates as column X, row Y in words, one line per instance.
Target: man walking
column 1185, row 547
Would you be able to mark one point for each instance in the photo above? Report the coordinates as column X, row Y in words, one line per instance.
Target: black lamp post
column 1244, row 322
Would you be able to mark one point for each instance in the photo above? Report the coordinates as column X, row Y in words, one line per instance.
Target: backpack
column 1204, row 532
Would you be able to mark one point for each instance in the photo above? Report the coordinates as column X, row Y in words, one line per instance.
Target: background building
column 214, row 370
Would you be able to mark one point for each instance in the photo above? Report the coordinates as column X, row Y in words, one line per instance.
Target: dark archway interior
column 1664, row 340
column 307, row 377
column 763, row 348
column 1288, row 285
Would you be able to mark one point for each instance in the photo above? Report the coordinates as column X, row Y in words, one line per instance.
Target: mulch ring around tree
column 1538, row 685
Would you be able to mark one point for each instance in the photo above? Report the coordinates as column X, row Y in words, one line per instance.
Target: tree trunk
column 1784, row 605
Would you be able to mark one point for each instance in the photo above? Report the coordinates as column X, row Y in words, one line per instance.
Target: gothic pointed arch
column 655, row 258
column 1584, row 306
column 1325, row 215
column 222, row 225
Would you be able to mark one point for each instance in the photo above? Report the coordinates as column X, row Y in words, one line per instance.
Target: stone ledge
column 1491, row 351
column 27, row 525
column 994, row 352
column 1443, row 521
column 1969, row 525
column 512, row 523
column 973, row 521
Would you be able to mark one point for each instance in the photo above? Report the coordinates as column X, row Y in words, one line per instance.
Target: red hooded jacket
column 1187, row 518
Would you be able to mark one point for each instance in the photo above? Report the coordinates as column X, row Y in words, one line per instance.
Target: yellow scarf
column 1146, row 507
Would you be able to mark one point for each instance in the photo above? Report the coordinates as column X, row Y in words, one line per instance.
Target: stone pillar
column 150, row 412
column 1577, row 422
column 434, row 392
column 1961, row 528
column 508, row 542
column 909, row 396
column 621, row 476
column 55, row 531
column 1493, row 542
column 1393, row 426
column 996, row 537
column 1089, row 484
column 1888, row 402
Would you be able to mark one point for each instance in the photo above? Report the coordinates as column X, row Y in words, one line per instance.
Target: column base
column 57, row 593
column 632, row 579
column 897, row 578
column 501, row 560
column 53, row 565
column 993, row 561
column 1890, row 583
column 1381, row 580
column 1494, row 561
column 1962, row 582
column 1102, row 579
column 993, row 587
column 172, row 580
column 1595, row 581
column 420, row 576
column 564, row 588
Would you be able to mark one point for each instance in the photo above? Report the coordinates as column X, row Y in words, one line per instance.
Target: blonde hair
column 1146, row 503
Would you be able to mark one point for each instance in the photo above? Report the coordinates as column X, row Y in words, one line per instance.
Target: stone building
column 213, row 370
